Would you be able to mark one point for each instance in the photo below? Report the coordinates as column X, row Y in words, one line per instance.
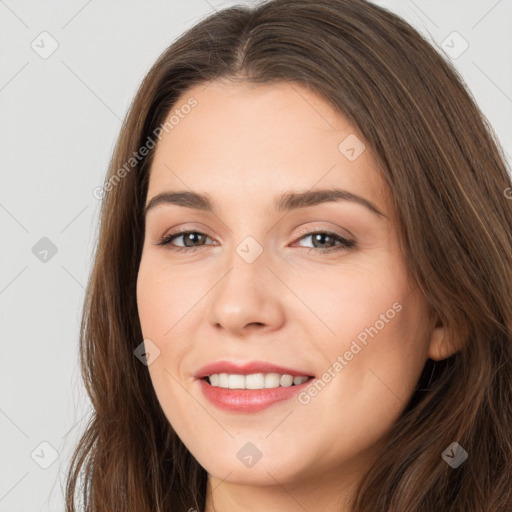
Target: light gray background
column 60, row 117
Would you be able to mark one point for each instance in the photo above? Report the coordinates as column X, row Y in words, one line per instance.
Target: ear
column 443, row 342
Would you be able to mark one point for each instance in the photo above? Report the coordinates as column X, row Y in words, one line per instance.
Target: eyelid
column 187, row 228
column 316, row 229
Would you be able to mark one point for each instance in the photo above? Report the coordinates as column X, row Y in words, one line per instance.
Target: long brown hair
column 448, row 178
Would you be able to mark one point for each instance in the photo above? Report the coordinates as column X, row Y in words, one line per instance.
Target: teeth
column 286, row 381
column 223, row 380
column 255, row 380
column 236, row 382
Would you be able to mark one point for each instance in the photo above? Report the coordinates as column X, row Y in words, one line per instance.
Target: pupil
column 321, row 236
column 191, row 236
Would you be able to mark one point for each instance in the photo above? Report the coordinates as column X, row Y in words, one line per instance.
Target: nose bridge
column 245, row 282
column 246, row 294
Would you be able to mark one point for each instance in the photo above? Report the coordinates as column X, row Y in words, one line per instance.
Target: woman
column 302, row 292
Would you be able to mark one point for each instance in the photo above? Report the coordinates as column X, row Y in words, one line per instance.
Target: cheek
column 164, row 297
column 351, row 302
column 382, row 358
column 162, row 300
column 379, row 338
column 152, row 302
column 367, row 385
column 168, row 308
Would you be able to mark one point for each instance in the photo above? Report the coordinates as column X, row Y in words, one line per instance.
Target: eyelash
column 345, row 244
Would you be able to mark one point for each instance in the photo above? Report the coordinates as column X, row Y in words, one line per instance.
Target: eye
column 189, row 237
column 328, row 238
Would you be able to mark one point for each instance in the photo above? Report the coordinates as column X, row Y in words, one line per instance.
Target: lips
column 249, row 400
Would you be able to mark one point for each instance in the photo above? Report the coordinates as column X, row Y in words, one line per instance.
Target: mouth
column 250, row 387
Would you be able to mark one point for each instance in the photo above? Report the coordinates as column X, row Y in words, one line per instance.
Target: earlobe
column 437, row 349
column 442, row 342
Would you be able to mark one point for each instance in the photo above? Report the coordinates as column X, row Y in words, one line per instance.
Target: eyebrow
column 283, row 203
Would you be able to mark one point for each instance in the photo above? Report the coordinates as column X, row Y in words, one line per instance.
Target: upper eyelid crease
column 285, row 202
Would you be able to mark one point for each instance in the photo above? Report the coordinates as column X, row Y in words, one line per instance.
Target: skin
column 243, row 144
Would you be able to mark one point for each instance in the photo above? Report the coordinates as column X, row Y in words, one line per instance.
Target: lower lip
column 248, row 400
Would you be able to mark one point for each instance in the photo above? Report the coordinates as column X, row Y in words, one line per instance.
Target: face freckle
column 258, row 287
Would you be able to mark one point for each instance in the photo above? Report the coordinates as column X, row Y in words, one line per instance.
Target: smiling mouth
column 255, row 380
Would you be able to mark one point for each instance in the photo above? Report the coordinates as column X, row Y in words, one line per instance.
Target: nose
column 247, row 299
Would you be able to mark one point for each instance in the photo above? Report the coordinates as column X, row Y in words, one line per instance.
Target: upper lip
column 247, row 368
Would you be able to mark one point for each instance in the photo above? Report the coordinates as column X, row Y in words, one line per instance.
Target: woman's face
column 256, row 294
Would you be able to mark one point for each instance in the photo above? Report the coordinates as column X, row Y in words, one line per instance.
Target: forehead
column 251, row 139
